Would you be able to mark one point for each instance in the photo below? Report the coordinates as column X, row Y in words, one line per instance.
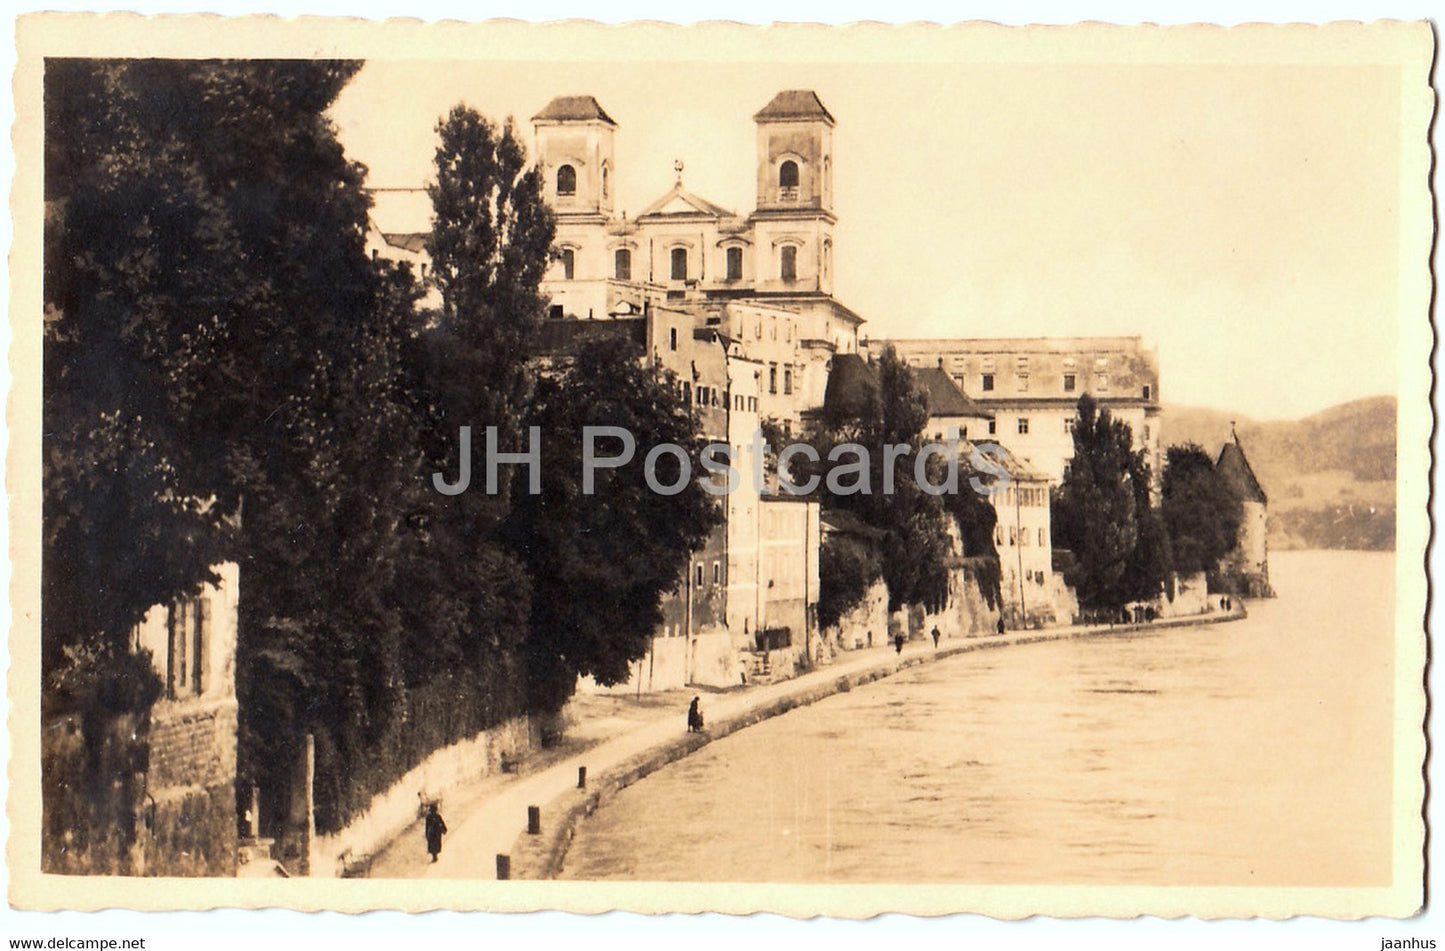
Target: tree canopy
column 1201, row 513
column 1102, row 514
column 228, row 375
column 601, row 563
column 913, row 545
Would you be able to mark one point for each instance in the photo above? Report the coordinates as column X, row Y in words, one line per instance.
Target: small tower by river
column 1247, row 565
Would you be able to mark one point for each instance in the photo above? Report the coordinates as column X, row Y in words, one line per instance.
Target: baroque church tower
column 793, row 223
column 575, row 157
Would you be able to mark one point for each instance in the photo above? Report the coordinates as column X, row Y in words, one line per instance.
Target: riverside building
column 1032, row 385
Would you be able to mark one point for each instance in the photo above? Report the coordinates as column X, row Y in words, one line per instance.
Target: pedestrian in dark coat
column 694, row 717
column 435, row 829
column 898, row 643
column 936, row 635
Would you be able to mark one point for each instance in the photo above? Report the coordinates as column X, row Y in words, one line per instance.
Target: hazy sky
column 1242, row 218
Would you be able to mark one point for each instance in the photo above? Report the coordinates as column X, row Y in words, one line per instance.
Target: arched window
column 735, row 264
column 679, row 264
column 788, row 262
column 788, row 174
column 566, row 180
column 622, row 264
column 569, row 260
column 604, row 179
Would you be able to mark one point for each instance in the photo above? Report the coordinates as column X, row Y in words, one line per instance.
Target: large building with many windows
column 1032, row 386
column 739, row 306
column 764, row 279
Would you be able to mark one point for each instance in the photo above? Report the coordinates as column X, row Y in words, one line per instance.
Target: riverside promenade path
column 490, row 817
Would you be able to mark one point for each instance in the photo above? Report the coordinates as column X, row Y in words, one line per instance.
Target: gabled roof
column 1019, row 470
column 407, row 241
column 1238, row 474
column 680, row 201
column 573, row 109
column 795, row 104
column 844, row 522
column 944, row 396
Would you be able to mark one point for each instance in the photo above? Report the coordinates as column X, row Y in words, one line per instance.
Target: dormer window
column 566, row 181
column 788, row 263
column 788, row 181
column 679, row 264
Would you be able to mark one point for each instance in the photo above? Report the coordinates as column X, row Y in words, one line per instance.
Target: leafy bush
column 98, row 679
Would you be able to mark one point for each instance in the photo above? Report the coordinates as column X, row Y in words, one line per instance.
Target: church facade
column 763, row 280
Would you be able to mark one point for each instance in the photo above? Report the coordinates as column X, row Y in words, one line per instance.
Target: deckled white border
column 1014, row 13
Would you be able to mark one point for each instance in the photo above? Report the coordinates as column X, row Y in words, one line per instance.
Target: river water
column 1256, row 752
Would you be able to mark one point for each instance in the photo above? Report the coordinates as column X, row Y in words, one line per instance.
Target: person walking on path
column 435, row 829
column 694, row 717
column 936, row 636
column 898, row 642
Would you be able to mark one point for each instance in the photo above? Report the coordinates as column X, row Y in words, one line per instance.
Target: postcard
column 818, row 470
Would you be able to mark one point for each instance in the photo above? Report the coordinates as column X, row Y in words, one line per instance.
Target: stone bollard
column 534, row 820
column 581, row 777
column 504, row 867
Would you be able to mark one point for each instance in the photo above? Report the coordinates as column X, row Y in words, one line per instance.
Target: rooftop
column 573, row 109
column 407, row 241
column 1236, row 471
column 1018, row 469
column 1011, row 344
column 944, row 396
column 795, row 104
column 680, row 201
column 567, row 337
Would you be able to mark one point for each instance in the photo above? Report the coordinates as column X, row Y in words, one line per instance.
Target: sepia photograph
column 803, row 469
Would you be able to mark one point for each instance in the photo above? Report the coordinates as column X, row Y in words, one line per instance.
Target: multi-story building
column 1033, row 594
column 757, row 286
column 765, row 279
column 1032, row 387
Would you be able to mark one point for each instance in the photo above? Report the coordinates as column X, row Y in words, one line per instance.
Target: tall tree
column 223, row 378
column 847, row 567
column 600, row 563
column 914, row 541
column 1095, row 510
column 489, row 244
column 1201, row 514
column 1151, row 563
column 204, row 257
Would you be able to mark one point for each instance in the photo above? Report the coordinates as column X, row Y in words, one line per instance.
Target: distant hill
column 1330, row 477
